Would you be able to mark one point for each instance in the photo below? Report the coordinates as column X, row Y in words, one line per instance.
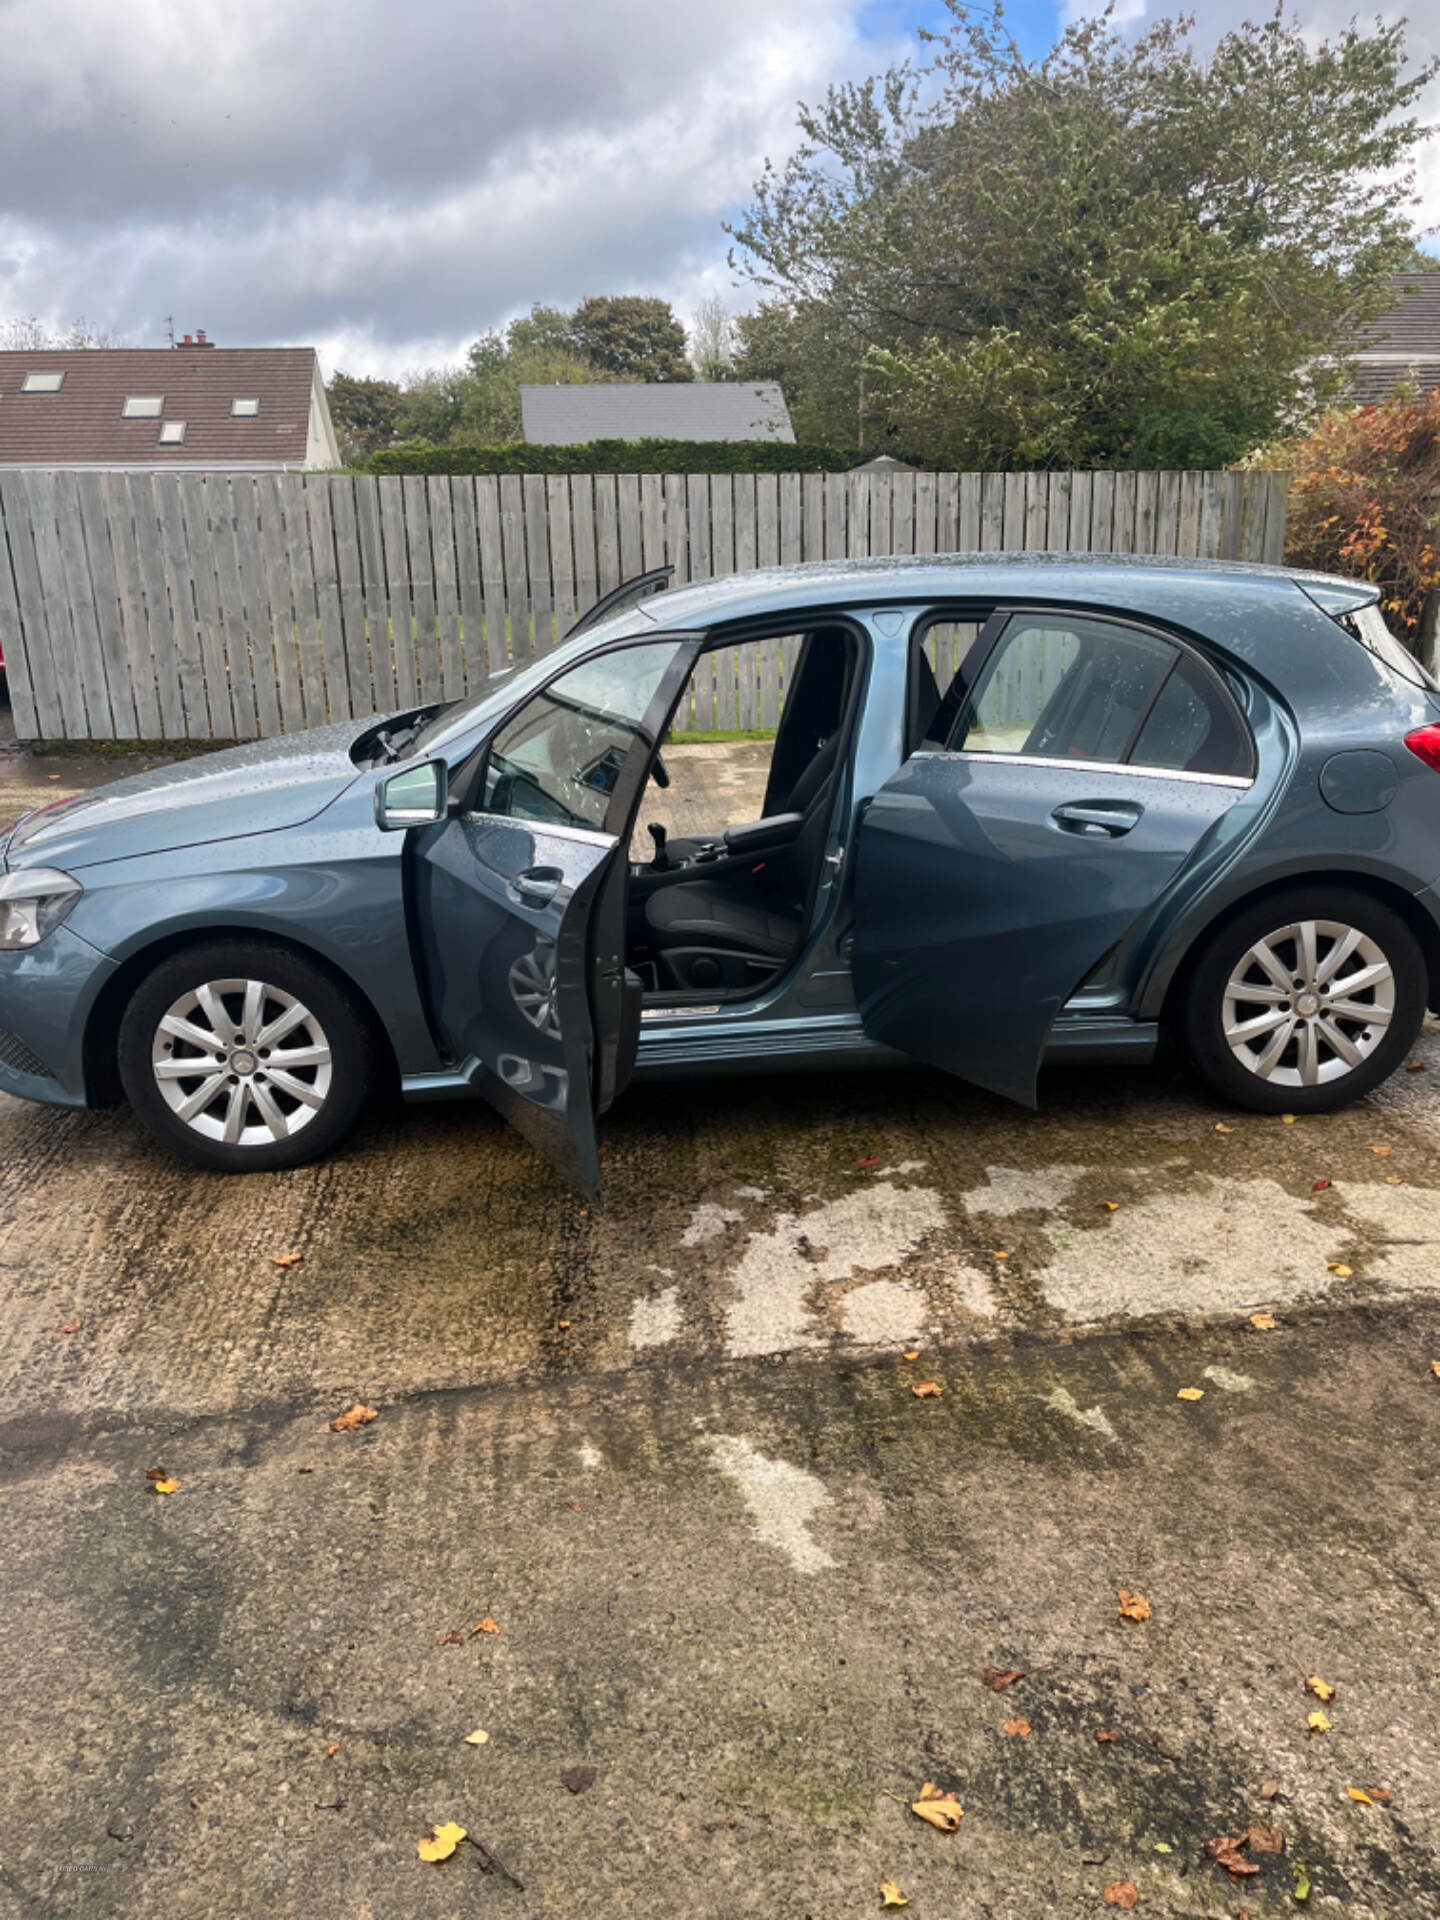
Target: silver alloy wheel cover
column 242, row 1062
column 532, row 988
column 1308, row 1003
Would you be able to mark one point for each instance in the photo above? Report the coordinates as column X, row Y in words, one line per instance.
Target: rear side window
column 1062, row 687
column 1367, row 625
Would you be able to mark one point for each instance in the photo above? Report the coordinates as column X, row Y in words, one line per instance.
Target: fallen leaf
column 452, row 1639
column 488, row 1625
column 998, row 1256
column 166, row 1486
column 1133, row 1606
column 1322, row 1186
column 1317, row 1722
column 1287, row 1119
column 358, row 1416
column 288, row 1260
column 1359, row 1793
column 1123, row 1893
column 927, row 1390
column 1321, row 1689
column 891, row 1896
column 477, row 1738
column 1017, row 1729
column 1263, row 1839
column 1338, row 1266
column 1382, row 1794
column 1302, row 1885
column 1262, row 1322
column 998, row 1678
column 578, row 1779
column 1163, row 1846
column 870, row 1160
column 942, row 1810
column 71, row 1326
column 1224, row 1851
column 156, row 1473
column 438, row 1843
column 1269, row 1790
column 564, row 1326
column 1111, row 1206
column 1191, row 1393
column 1393, row 1180
column 1105, row 1737
column 911, row 1356
column 1435, row 1368
column 1382, row 1150
column 1415, row 1066
column 1220, row 1127
column 330, row 1752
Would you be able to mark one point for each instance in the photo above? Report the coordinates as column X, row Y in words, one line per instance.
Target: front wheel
column 1303, row 1004
column 244, row 1057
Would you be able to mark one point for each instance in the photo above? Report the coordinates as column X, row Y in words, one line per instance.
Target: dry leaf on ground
column 578, row 1779
column 166, row 1486
column 1415, row 1066
column 1269, row 1790
column 1191, row 1393
column 891, row 1896
column 1262, row 1322
column 1017, row 1729
column 927, row 1390
column 156, row 1473
column 358, row 1416
column 71, row 1326
column 1318, row 1722
column 438, row 1843
column 1133, row 1606
column 331, row 1751
column 1220, row 1127
column 870, row 1160
column 1435, row 1368
column 477, row 1738
column 942, row 1810
column 1322, row 1186
column 286, row 1259
column 1382, row 1150
column 1123, row 1893
column 1359, row 1793
column 1264, row 1839
column 1339, row 1266
column 1224, row 1850
column 1111, row 1206
column 1321, row 1689
column 915, row 1355
column 452, row 1639
column 1104, row 1737
column 998, row 1678
column 1382, row 1794
column 1288, row 1119
column 488, row 1625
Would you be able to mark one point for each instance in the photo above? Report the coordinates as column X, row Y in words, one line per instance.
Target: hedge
column 616, row 456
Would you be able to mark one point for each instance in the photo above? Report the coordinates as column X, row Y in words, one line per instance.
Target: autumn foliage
column 1365, row 499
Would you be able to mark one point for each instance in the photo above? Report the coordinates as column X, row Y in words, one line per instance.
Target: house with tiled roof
column 191, row 407
column 1401, row 346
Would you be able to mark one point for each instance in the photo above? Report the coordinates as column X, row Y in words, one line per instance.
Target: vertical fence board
column 50, row 569
column 519, row 633
column 80, row 594
column 582, row 524
column 13, row 646
column 318, row 496
column 95, row 527
column 447, row 585
column 22, row 620
column 489, row 534
column 967, row 526
column 422, row 585
column 562, row 556
column 352, row 597
column 1102, row 512
column 835, row 545
column 537, row 559
column 195, row 512
column 1077, row 527
column 157, row 604
column 632, row 544
column 467, row 582
column 397, row 584
column 1187, row 534
column 1167, row 515
column 130, row 589
column 376, row 636
column 1277, row 500
column 305, row 592
column 235, row 641
column 190, row 663
column 607, row 535
column 1122, row 532
column 677, row 525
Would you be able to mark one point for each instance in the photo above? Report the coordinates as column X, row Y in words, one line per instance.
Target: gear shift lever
column 661, row 861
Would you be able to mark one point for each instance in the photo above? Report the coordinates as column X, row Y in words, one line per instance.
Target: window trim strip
column 1121, row 767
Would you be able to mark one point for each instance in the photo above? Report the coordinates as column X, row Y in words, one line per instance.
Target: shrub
column 1365, row 499
column 616, row 456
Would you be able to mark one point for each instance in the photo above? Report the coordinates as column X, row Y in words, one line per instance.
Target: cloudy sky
column 386, row 180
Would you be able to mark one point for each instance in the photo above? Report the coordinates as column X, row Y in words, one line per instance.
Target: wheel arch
column 102, row 1027
column 1184, row 961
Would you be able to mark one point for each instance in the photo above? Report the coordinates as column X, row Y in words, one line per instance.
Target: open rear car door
column 1061, row 786
column 519, row 897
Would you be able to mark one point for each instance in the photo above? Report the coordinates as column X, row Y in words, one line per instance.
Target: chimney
column 186, row 341
column 200, row 339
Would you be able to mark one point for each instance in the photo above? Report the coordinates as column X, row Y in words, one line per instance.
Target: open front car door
column 1077, row 763
column 519, row 898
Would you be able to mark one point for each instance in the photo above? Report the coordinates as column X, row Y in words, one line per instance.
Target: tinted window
column 559, row 758
column 1193, row 727
column 1064, row 689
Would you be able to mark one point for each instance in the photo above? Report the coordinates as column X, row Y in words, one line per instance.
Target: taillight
column 1424, row 743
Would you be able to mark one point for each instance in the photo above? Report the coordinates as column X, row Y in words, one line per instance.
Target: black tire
column 313, row 1122
column 1202, row 1013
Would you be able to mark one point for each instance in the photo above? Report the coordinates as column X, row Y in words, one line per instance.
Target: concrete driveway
column 745, row 1579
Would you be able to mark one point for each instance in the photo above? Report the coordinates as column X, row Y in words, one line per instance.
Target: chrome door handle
column 1098, row 819
column 536, row 886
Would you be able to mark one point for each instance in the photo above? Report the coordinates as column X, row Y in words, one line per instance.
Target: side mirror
column 415, row 798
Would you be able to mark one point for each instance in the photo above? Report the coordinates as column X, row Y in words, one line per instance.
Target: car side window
column 559, row 758
column 1193, row 727
column 1063, row 689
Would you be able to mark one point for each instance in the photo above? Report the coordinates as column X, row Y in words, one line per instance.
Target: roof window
column 142, row 406
column 42, row 383
column 245, row 409
column 172, row 433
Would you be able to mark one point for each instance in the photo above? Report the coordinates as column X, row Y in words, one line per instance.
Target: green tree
column 365, row 414
column 536, row 350
column 629, row 336
column 818, row 359
column 1120, row 253
column 713, row 339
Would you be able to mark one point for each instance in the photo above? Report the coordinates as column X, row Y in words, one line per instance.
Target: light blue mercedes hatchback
column 1019, row 808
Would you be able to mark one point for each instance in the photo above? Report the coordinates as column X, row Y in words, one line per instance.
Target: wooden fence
column 226, row 606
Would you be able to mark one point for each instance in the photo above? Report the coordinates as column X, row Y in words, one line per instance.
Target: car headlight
column 33, row 902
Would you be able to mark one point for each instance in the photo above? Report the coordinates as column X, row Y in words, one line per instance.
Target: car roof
column 1146, row 581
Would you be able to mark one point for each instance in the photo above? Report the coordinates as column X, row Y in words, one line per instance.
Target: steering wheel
column 660, row 772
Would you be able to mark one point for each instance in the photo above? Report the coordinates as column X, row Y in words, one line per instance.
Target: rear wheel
column 1305, row 1003
column 245, row 1057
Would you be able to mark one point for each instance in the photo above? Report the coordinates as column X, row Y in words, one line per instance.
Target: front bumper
column 46, row 994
